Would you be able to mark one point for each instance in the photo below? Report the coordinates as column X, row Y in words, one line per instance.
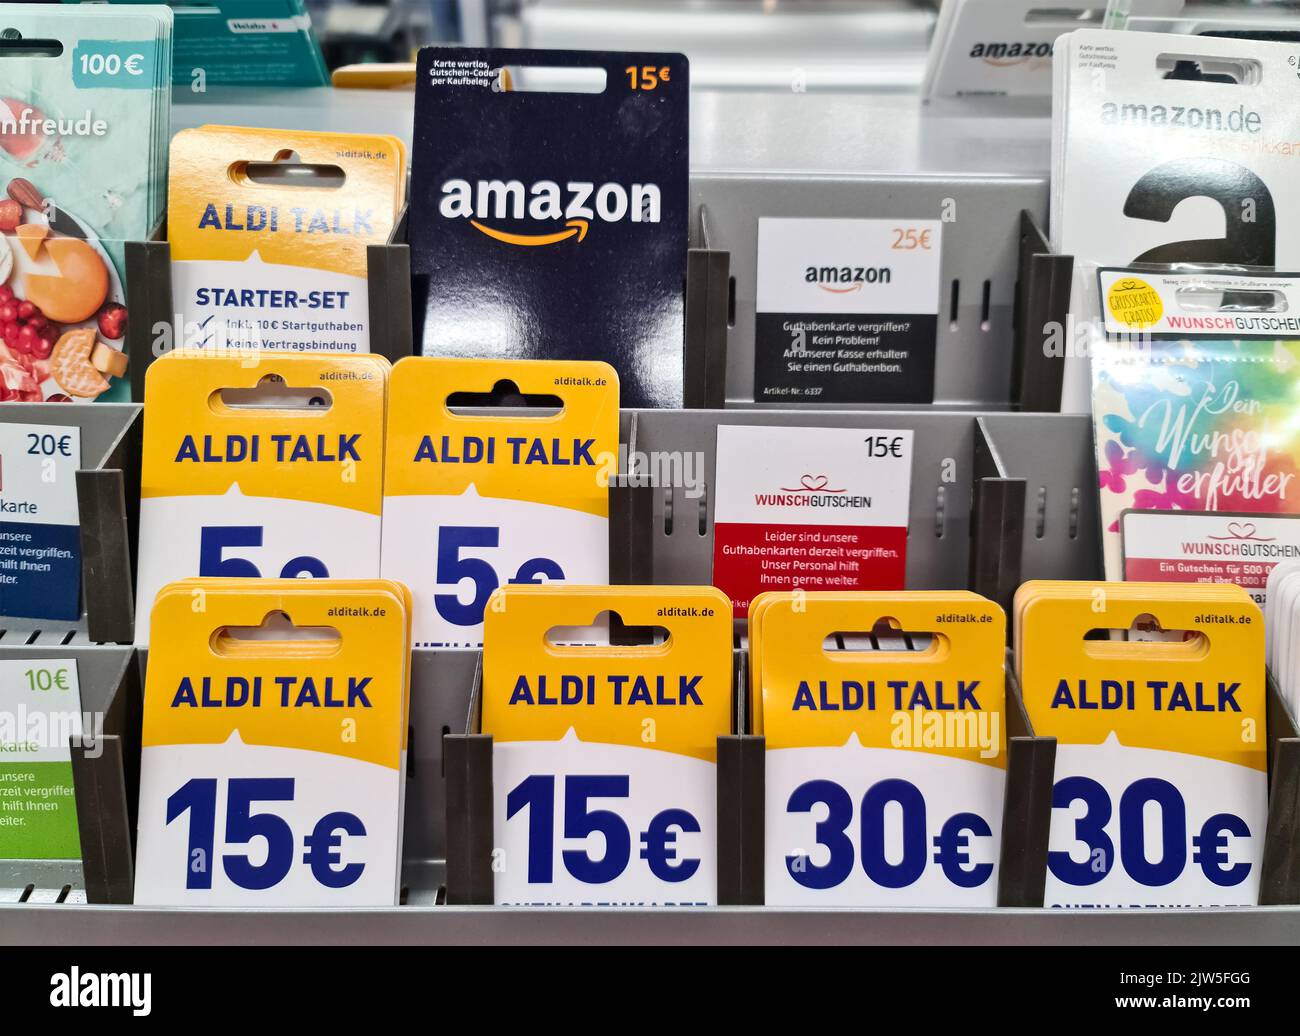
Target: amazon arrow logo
column 577, row 228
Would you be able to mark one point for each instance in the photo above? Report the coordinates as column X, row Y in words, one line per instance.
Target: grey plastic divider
column 1279, row 880
column 1042, row 308
column 1027, row 805
column 108, row 497
column 1054, row 455
column 106, row 778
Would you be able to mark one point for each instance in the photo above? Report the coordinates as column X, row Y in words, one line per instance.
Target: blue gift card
column 40, row 541
column 548, row 212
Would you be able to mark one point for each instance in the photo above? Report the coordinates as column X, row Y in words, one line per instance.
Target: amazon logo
column 496, row 208
column 1002, row 55
column 840, row 280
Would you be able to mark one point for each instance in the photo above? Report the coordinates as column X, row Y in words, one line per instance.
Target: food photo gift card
column 816, row 508
column 847, row 310
column 1194, row 388
column 861, row 735
column 40, row 700
column 267, row 469
column 269, row 230
column 1160, row 793
column 620, row 740
column 549, row 210
column 84, row 112
column 274, row 744
column 480, row 492
column 40, row 528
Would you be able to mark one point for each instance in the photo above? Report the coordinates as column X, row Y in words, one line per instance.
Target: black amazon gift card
column 548, row 215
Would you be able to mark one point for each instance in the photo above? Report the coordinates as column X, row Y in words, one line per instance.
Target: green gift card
column 40, row 712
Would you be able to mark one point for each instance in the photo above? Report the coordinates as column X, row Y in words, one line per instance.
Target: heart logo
column 814, row 482
column 1242, row 530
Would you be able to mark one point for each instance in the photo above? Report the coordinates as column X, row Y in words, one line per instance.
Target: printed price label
column 844, row 838
column 654, row 814
column 604, row 757
column 479, row 498
column 40, row 536
column 1135, row 827
column 847, row 310
column 818, row 508
column 272, row 470
column 274, row 753
column 40, row 714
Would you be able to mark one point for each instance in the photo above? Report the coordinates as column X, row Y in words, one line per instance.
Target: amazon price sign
column 846, row 310
column 549, row 209
column 811, row 509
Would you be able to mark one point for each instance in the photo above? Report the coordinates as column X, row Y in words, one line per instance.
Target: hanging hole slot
column 1204, row 299
column 272, row 392
column 550, row 79
column 12, row 45
column 887, row 637
column 288, row 169
column 273, row 635
column 505, row 394
column 606, row 629
column 1198, row 68
column 1064, row 18
column 1175, row 645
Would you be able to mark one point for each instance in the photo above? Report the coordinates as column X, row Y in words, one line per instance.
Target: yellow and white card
column 270, row 468
column 273, row 759
column 1155, row 695
column 604, row 757
column 886, row 747
column 478, row 497
column 269, row 230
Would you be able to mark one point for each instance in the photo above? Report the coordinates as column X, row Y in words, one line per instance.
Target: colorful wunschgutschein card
column 1194, row 393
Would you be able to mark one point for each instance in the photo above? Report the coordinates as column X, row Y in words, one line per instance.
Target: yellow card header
column 343, row 696
column 674, row 696
column 564, row 459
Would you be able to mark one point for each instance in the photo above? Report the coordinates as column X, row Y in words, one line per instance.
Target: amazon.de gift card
column 548, row 214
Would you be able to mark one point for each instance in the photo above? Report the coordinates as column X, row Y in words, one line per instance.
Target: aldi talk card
column 40, row 543
column 548, row 221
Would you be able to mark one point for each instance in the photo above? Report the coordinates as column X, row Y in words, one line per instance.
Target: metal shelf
column 741, row 926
